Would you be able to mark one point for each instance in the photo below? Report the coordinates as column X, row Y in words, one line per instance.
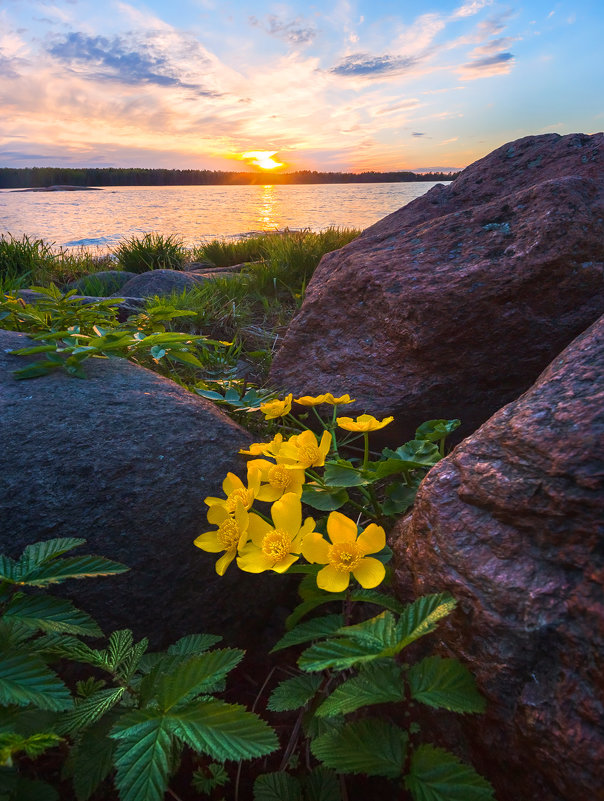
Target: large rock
column 125, row 459
column 453, row 305
column 165, row 282
column 512, row 524
column 102, row 283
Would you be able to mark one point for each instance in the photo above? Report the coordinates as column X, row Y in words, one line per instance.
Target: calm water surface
column 195, row 213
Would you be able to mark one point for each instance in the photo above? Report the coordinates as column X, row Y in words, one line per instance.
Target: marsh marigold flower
column 278, row 479
column 265, row 448
column 230, row 535
column 346, row 554
column 363, row 424
column 304, row 450
column 235, row 490
column 309, row 400
column 275, row 547
column 277, row 408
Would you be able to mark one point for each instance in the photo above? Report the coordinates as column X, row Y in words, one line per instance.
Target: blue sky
column 337, row 85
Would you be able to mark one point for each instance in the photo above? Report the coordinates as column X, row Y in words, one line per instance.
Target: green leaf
column 435, row 430
column 193, row 644
column 294, row 693
column 322, row 499
column 9, row 570
column 51, row 614
column 378, row 632
column 399, row 497
column 88, row 710
column 119, row 647
column 321, row 785
column 92, row 758
column 437, row 775
column 379, row 682
column 377, row 598
column 372, row 746
column 279, row 786
column 73, row 567
column 209, row 394
column 143, row 760
column 25, row 679
column 312, row 603
column 185, row 357
column 336, row 654
column 131, row 661
column 445, row 684
column 224, row 731
column 342, row 474
column 33, row 745
column 421, row 617
column 310, row 630
column 40, row 552
column 197, row 675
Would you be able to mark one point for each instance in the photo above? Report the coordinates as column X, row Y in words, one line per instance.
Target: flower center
column 344, row 556
column 276, row 544
column 244, row 495
column 228, row 534
column 308, row 455
column 279, row 477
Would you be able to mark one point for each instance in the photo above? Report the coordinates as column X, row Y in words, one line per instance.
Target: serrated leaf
column 131, row 661
column 308, row 606
column 47, row 613
column 437, row 775
column 40, row 552
column 293, row 693
column 143, row 762
column 197, row 675
column 75, row 567
column 321, row 785
column 377, row 598
column 279, row 786
column 372, row 746
column 194, row 644
column 92, row 758
column 445, row 684
column 25, row 679
column 8, row 569
column 336, row 654
column 224, row 731
column 379, row 682
column 33, row 745
column 378, row 632
column 421, row 617
column 310, row 630
column 88, row 710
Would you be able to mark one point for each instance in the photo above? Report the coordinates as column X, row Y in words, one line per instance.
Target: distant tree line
column 26, row 177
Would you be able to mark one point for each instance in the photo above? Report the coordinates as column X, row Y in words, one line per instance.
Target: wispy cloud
column 295, row 32
column 367, row 66
column 470, row 8
column 498, row 64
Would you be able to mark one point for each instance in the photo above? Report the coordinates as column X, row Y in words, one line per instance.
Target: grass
column 151, row 252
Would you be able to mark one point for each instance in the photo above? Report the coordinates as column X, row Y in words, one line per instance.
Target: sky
column 340, row 85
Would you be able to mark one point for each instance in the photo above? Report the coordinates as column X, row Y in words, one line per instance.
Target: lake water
column 100, row 219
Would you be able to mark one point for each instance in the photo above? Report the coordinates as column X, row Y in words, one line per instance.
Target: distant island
column 47, row 178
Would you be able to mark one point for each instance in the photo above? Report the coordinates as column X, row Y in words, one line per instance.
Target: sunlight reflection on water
column 196, row 213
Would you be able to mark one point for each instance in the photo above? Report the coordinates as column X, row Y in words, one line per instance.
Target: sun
column 262, row 158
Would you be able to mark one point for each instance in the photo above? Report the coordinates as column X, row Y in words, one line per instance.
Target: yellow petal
column 284, row 564
column 373, row 539
column 252, row 560
column 253, row 478
column 310, row 400
column 231, row 483
column 341, row 528
column 332, row 580
column 216, row 514
column 257, row 528
column 209, row 542
column 306, row 529
column 325, row 445
column 314, row 548
column 270, row 494
column 224, row 561
column 287, row 513
column 329, row 398
column 369, row 572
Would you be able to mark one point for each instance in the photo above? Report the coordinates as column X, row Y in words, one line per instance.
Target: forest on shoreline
column 32, row 177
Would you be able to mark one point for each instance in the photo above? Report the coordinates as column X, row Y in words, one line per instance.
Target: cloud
column 497, row 64
column 295, row 32
column 495, row 46
column 418, row 133
column 366, row 65
column 470, row 8
column 405, row 105
column 121, row 58
column 6, row 67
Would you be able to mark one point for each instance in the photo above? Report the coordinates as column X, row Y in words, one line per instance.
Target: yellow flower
column 235, row 490
column 265, row 448
column 309, row 400
column 276, row 547
column 279, row 480
column 230, row 535
column 346, row 554
column 303, row 450
column 277, row 408
column 363, row 423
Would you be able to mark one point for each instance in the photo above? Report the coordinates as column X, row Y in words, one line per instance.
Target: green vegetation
column 150, row 252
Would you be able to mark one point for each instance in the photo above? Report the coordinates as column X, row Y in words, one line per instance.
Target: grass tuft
column 151, row 252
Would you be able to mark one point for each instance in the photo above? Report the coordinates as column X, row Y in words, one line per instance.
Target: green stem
column 366, row 449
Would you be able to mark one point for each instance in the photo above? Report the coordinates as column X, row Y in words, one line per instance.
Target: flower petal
column 209, row 542
column 231, row 483
column 332, row 580
column 257, row 528
column 373, row 539
column 341, row 528
column 369, row 573
column 252, row 560
column 284, row 564
column 315, row 548
column 224, row 561
column 217, row 513
column 287, row 513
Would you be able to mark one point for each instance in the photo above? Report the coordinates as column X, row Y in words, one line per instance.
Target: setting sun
column 262, row 158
